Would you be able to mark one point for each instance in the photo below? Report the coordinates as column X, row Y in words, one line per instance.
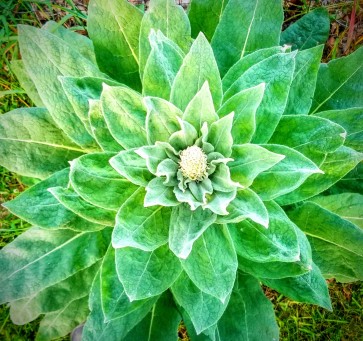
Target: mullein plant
column 182, row 159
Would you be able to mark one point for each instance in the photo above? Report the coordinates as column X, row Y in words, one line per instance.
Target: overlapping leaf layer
column 182, row 161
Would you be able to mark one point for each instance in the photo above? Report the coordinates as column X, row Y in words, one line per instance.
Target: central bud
column 193, row 163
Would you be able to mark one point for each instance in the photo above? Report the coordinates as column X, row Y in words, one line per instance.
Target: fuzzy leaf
column 38, row 251
column 199, row 66
column 220, row 136
column 161, row 119
column 132, row 166
column 162, row 15
column 145, row 228
column 117, row 105
column 336, row 243
column 239, row 31
column 246, row 204
column 116, row 41
column 339, row 83
column 352, row 121
column 277, row 243
column 94, row 179
column 309, row 288
column 185, row 137
column 157, row 193
column 244, row 105
column 249, row 160
column 153, row 156
column 309, row 31
column 219, row 201
column 304, row 81
column 203, row 309
column 32, row 145
column 212, row 263
column 186, row 227
column 162, row 65
column 239, row 320
column 335, row 166
column 146, row 274
column 285, row 176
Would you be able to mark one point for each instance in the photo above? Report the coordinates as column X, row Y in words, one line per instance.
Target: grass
column 296, row 321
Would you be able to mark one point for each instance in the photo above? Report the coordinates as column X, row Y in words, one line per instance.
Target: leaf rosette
column 178, row 166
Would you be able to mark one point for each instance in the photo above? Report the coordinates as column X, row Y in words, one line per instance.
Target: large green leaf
column 339, row 84
column 94, row 179
column 199, row 66
column 309, row 31
column 204, row 16
column 336, row 243
column 249, row 160
column 308, row 135
column 186, row 226
column 304, row 81
column 115, row 303
column 348, row 206
column 335, row 166
column 286, row 175
column 145, row 228
column 352, row 121
column 162, row 65
column 240, row 322
column 39, row 207
column 32, row 145
column 73, row 202
column 45, row 58
column 212, row 263
column 160, row 324
column 125, row 115
column 278, row 80
column 18, row 67
column 116, row 41
column 161, row 119
column 309, row 288
column 240, row 32
column 246, row 204
column 99, row 128
column 351, row 182
column 62, row 322
column 244, row 105
column 163, row 15
column 277, row 243
column 28, row 263
column 96, row 328
column 203, row 309
column 146, row 274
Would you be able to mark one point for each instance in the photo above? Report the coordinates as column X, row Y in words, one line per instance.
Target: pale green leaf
column 249, row 160
column 146, row 274
column 157, row 193
column 94, row 179
column 277, row 243
column 212, row 263
column 244, row 105
column 286, row 175
column 186, row 227
column 221, row 179
column 132, row 166
column 38, row 251
column 309, row 31
column 145, row 228
column 220, row 136
column 335, row 166
column 199, row 66
column 115, row 39
column 246, row 204
column 240, row 31
column 308, row 288
column 339, row 84
column 162, row 65
column 125, row 115
column 185, row 137
column 219, row 201
column 171, row 20
column 32, row 145
column 153, row 156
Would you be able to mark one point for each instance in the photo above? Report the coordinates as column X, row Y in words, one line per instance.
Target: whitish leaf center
column 193, row 163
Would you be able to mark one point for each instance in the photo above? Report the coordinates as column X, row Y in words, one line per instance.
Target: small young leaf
column 219, row 135
column 157, row 193
column 145, row 228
